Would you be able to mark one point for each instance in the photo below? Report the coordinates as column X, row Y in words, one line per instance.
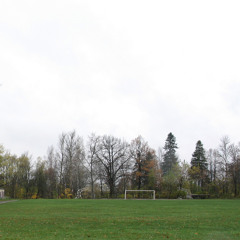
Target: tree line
column 106, row 166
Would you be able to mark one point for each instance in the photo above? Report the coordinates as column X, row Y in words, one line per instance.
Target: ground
column 120, row 219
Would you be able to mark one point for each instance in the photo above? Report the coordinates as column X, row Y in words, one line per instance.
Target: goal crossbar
column 153, row 191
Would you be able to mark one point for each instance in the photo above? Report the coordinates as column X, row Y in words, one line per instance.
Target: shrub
column 157, row 195
column 121, row 196
column 34, row 196
column 70, row 196
column 164, row 195
column 173, row 195
column 62, row 196
column 67, row 191
column 181, row 194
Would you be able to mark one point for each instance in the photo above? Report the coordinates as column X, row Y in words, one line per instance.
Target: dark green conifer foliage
column 198, row 157
column 169, row 157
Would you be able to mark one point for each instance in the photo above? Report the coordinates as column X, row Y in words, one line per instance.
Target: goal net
column 140, row 194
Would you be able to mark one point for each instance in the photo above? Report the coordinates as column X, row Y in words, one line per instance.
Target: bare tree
column 224, row 160
column 101, row 176
column 113, row 154
column 25, row 173
column 234, row 167
column 70, row 158
column 51, row 173
column 60, row 155
column 91, row 160
column 212, row 157
column 74, row 157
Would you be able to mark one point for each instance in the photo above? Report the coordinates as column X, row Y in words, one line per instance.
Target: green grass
column 120, row 219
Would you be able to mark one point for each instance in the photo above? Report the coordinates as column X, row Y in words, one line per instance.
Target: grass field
column 120, row 219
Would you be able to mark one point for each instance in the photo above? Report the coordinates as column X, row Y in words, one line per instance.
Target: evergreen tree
column 199, row 166
column 169, row 158
column 198, row 157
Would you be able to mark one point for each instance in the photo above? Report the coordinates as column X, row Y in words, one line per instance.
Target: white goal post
column 153, row 191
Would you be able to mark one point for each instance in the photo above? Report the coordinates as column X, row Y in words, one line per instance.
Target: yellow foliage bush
column 62, row 196
column 67, row 191
column 70, row 196
column 34, row 196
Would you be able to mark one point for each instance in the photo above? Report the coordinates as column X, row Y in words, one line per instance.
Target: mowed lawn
column 120, row 219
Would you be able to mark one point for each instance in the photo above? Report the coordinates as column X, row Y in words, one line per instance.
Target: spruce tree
column 169, row 158
column 199, row 166
column 198, row 157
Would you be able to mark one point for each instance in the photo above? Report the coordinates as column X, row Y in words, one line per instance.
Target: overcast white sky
column 119, row 67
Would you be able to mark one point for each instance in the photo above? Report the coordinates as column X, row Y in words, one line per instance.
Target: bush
column 62, row 196
column 173, row 195
column 121, row 196
column 214, row 196
column 181, row 194
column 157, row 195
column 164, row 195
column 67, row 191
column 70, row 196
column 34, row 196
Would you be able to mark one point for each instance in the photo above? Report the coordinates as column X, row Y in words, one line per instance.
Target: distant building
column 1, row 193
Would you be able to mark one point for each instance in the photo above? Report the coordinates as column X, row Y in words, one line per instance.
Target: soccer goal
column 152, row 192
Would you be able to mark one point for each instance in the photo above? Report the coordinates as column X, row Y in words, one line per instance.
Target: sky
column 124, row 68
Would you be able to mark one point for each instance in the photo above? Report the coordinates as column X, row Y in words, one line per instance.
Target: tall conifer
column 169, row 157
column 198, row 157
